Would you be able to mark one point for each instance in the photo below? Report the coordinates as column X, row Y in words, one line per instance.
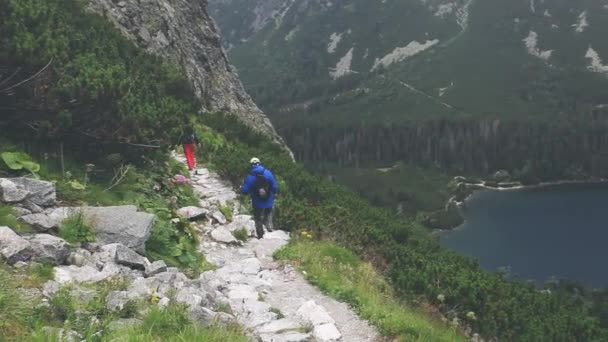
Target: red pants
column 189, row 152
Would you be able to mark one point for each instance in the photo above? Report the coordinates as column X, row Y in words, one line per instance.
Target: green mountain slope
column 410, row 60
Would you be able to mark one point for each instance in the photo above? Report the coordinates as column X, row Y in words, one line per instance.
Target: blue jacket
column 248, row 187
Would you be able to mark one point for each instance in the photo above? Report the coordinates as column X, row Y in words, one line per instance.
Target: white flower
column 471, row 315
column 441, row 298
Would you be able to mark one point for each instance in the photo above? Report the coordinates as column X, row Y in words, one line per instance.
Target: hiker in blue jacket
column 262, row 187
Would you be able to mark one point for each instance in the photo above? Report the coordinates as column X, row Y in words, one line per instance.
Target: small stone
column 219, row 217
column 192, row 213
column 126, row 256
column 223, row 235
column 155, row 268
column 164, row 302
column 189, row 296
column 20, row 264
column 79, row 257
column 326, row 333
column 50, row 288
column 117, row 300
column 144, row 34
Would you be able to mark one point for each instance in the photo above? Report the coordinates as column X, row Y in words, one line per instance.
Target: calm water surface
column 559, row 231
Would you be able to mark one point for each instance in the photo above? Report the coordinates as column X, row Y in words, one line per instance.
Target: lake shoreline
column 474, row 188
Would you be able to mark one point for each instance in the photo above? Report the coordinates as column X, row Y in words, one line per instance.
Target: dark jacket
column 188, row 138
column 249, row 187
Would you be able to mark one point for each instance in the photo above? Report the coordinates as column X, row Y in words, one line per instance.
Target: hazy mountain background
column 467, row 86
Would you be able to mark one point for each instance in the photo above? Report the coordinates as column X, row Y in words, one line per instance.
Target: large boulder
column 13, row 247
column 38, row 192
column 121, row 224
column 49, row 248
column 9, row 192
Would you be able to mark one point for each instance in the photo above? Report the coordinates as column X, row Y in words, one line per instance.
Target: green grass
column 241, row 234
column 226, row 210
column 9, row 219
column 343, row 275
column 172, row 324
column 15, row 311
column 77, row 229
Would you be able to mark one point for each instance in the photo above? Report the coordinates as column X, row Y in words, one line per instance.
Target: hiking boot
column 196, row 172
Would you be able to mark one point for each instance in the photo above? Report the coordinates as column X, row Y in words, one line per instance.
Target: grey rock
column 326, row 333
column 196, row 47
column 190, row 296
column 50, row 288
column 314, row 314
column 279, row 326
column 223, row 235
column 34, row 208
column 49, row 218
column 49, row 248
column 20, row 211
column 192, row 213
column 219, row 217
column 164, row 302
column 117, row 300
column 121, row 224
column 286, row 337
column 83, row 295
column 78, row 257
column 125, row 256
column 40, row 192
column 13, row 247
column 144, row 34
column 155, row 268
column 41, row 222
column 20, row 264
column 240, row 222
column 9, row 192
column 202, row 315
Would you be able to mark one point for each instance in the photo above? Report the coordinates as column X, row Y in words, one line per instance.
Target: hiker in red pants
column 188, row 140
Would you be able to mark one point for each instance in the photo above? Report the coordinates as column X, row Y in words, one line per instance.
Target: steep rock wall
column 183, row 31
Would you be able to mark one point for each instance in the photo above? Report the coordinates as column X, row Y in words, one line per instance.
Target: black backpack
column 262, row 186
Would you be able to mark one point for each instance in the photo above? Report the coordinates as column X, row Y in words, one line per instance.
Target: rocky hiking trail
column 271, row 301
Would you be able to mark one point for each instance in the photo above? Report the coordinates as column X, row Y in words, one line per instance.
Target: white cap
column 254, row 161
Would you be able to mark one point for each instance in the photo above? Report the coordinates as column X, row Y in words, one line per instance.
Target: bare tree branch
column 28, row 79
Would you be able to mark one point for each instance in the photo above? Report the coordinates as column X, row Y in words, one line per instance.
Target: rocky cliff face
column 183, row 31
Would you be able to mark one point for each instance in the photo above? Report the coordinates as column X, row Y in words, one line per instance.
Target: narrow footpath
column 272, row 302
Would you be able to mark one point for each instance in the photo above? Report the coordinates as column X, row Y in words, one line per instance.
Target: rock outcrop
column 182, row 31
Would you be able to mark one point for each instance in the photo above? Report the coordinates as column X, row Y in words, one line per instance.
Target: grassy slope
column 343, row 275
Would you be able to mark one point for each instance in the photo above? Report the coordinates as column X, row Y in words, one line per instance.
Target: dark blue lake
column 558, row 231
